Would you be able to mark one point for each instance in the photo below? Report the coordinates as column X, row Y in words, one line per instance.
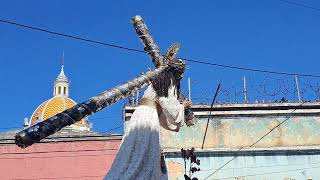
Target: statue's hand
column 187, row 104
column 189, row 117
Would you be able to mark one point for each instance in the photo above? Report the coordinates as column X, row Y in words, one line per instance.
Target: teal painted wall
column 289, row 157
column 275, row 167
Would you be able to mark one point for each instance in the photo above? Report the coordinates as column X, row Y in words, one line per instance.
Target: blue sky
column 270, row 35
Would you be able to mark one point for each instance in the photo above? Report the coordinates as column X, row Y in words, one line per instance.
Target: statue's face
column 179, row 69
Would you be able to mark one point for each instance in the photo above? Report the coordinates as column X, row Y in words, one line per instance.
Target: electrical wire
column 252, row 167
column 65, row 177
column 271, row 130
column 209, row 117
column 61, row 156
column 101, row 135
column 273, row 172
column 105, row 117
column 250, row 69
column 300, row 5
column 60, row 151
column 91, row 119
column 10, row 127
column 118, row 127
column 142, row 51
column 69, row 36
column 186, row 59
column 70, row 137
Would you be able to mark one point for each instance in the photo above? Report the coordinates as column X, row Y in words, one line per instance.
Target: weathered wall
column 60, row 160
column 236, row 132
column 291, row 151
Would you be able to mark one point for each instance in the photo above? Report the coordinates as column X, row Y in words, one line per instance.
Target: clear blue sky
column 269, row 35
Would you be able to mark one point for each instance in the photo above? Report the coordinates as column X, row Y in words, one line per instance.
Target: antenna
column 62, row 59
column 189, row 89
column 297, row 87
column 245, row 89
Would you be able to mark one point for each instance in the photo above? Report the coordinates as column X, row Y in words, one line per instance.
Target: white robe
column 139, row 153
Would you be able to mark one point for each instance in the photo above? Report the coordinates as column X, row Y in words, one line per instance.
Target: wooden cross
column 72, row 115
column 151, row 47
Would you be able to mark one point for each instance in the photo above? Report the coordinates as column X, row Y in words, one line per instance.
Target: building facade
column 277, row 141
column 268, row 141
column 75, row 152
column 61, row 156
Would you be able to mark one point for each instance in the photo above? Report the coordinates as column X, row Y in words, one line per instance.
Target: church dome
column 52, row 107
column 57, row 104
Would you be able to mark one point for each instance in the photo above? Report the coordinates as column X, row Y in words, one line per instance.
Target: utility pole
column 297, row 87
column 189, row 89
column 214, row 99
column 318, row 94
column 245, row 89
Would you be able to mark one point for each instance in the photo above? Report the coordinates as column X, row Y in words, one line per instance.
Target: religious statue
column 139, row 156
column 139, row 153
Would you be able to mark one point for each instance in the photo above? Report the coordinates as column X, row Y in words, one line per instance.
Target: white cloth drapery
column 139, row 154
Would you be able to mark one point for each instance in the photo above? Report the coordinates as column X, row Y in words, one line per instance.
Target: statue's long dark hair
column 163, row 82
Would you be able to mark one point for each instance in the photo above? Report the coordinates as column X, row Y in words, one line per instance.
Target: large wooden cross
column 70, row 116
column 151, row 47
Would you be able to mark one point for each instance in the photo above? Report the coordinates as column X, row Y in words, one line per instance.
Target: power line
column 300, row 5
column 91, row 119
column 213, row 100
column 11, row 127
column 273, row 172
column 249, row 69
column 69, row 36
column 262, row 137
column 46, row 152
column 65, row 177
column 64, row 156
column 118, row 127
column 252, row 167
column 105, row 117
column 142, row 51
column 101, row 135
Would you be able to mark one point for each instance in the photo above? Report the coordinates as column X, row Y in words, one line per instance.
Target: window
column 59, row 91
column 65, row 90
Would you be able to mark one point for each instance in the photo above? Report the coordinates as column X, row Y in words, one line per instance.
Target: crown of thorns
column 177, row 67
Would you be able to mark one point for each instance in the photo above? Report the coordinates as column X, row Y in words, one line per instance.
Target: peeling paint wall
column 236, row 132
column 291, row 151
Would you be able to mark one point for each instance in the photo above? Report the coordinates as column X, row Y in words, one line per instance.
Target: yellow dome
column 52, row 107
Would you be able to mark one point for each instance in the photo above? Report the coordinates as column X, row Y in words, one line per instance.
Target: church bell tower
column 61, row 84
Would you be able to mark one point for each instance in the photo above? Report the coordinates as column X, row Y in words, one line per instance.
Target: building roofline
column 69, row 138
column 295, row 150
column 250, row 109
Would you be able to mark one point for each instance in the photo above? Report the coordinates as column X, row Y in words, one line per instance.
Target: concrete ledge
column 218, row 152
column 249, row 110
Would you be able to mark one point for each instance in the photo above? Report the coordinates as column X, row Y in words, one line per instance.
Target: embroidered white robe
column 139, row 155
